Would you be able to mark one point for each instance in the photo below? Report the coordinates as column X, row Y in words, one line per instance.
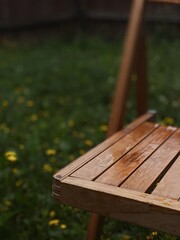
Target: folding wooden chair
column 134, row 175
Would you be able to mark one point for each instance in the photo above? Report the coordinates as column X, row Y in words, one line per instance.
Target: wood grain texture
column 151, row 170
column 95, row 227
column 120, row 171
column 70, row 168
column 169, row 186
column 104, row 160
column 96, row 222
column 126, row 205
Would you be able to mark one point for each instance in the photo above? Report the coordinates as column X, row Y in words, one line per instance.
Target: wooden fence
column 18, row 13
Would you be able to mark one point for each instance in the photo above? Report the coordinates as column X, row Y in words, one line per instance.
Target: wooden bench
column 134, row 175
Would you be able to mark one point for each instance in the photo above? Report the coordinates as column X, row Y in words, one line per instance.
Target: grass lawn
column 54, row 106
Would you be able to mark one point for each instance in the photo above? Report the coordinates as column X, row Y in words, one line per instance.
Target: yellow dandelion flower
column 19, row 183
column 15, row 171
column 52, row 213
column 53, row 222
column 30, row 103
column 8, row 203
column 103, row 128
column 2, row 209
column 63, row 226
column 10, row 153
column 88, row 143
column 162, row 123
column 47, row 168
column 11, row 156
column 18, row 90
column 148, row 237
column 71, row 157
column 81, row 151
column 71, row 123
column 81, row 135
column 51, row 152
column 5, row 103
column 20, row 99
column 6, row 129
column 168, row 120
column 126, row 237
column 154, row 233
column 34, row 117
column 21, row 146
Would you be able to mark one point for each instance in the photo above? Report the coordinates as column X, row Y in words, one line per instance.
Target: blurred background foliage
column 55, row 100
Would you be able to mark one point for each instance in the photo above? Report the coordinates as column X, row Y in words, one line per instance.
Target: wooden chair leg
column 95, row 227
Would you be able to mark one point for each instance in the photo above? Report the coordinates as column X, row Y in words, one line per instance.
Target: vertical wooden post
column 95, row 227
column 128, row 57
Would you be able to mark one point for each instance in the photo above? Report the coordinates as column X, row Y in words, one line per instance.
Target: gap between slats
column 168, row 185
column 160, row 177
column 155, row 167
column 94, row 168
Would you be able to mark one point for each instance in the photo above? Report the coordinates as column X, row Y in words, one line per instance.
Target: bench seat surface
column 132, row 176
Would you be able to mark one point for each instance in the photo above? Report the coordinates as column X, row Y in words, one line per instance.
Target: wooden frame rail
column 142, row 204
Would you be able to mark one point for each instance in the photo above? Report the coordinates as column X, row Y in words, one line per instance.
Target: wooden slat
column 144, row 178
column 120, row 171
column 104, row 160
column 169, row 186
column 101, row 147
column 126, row 205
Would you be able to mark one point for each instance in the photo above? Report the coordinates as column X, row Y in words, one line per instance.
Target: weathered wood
column 126, row 205
column 101, row 147
column 147, row 175
column 128, row 57
column 96, row 222
column 169, row 186
column 120, row 171
column 104, row 160
column 95, row 226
